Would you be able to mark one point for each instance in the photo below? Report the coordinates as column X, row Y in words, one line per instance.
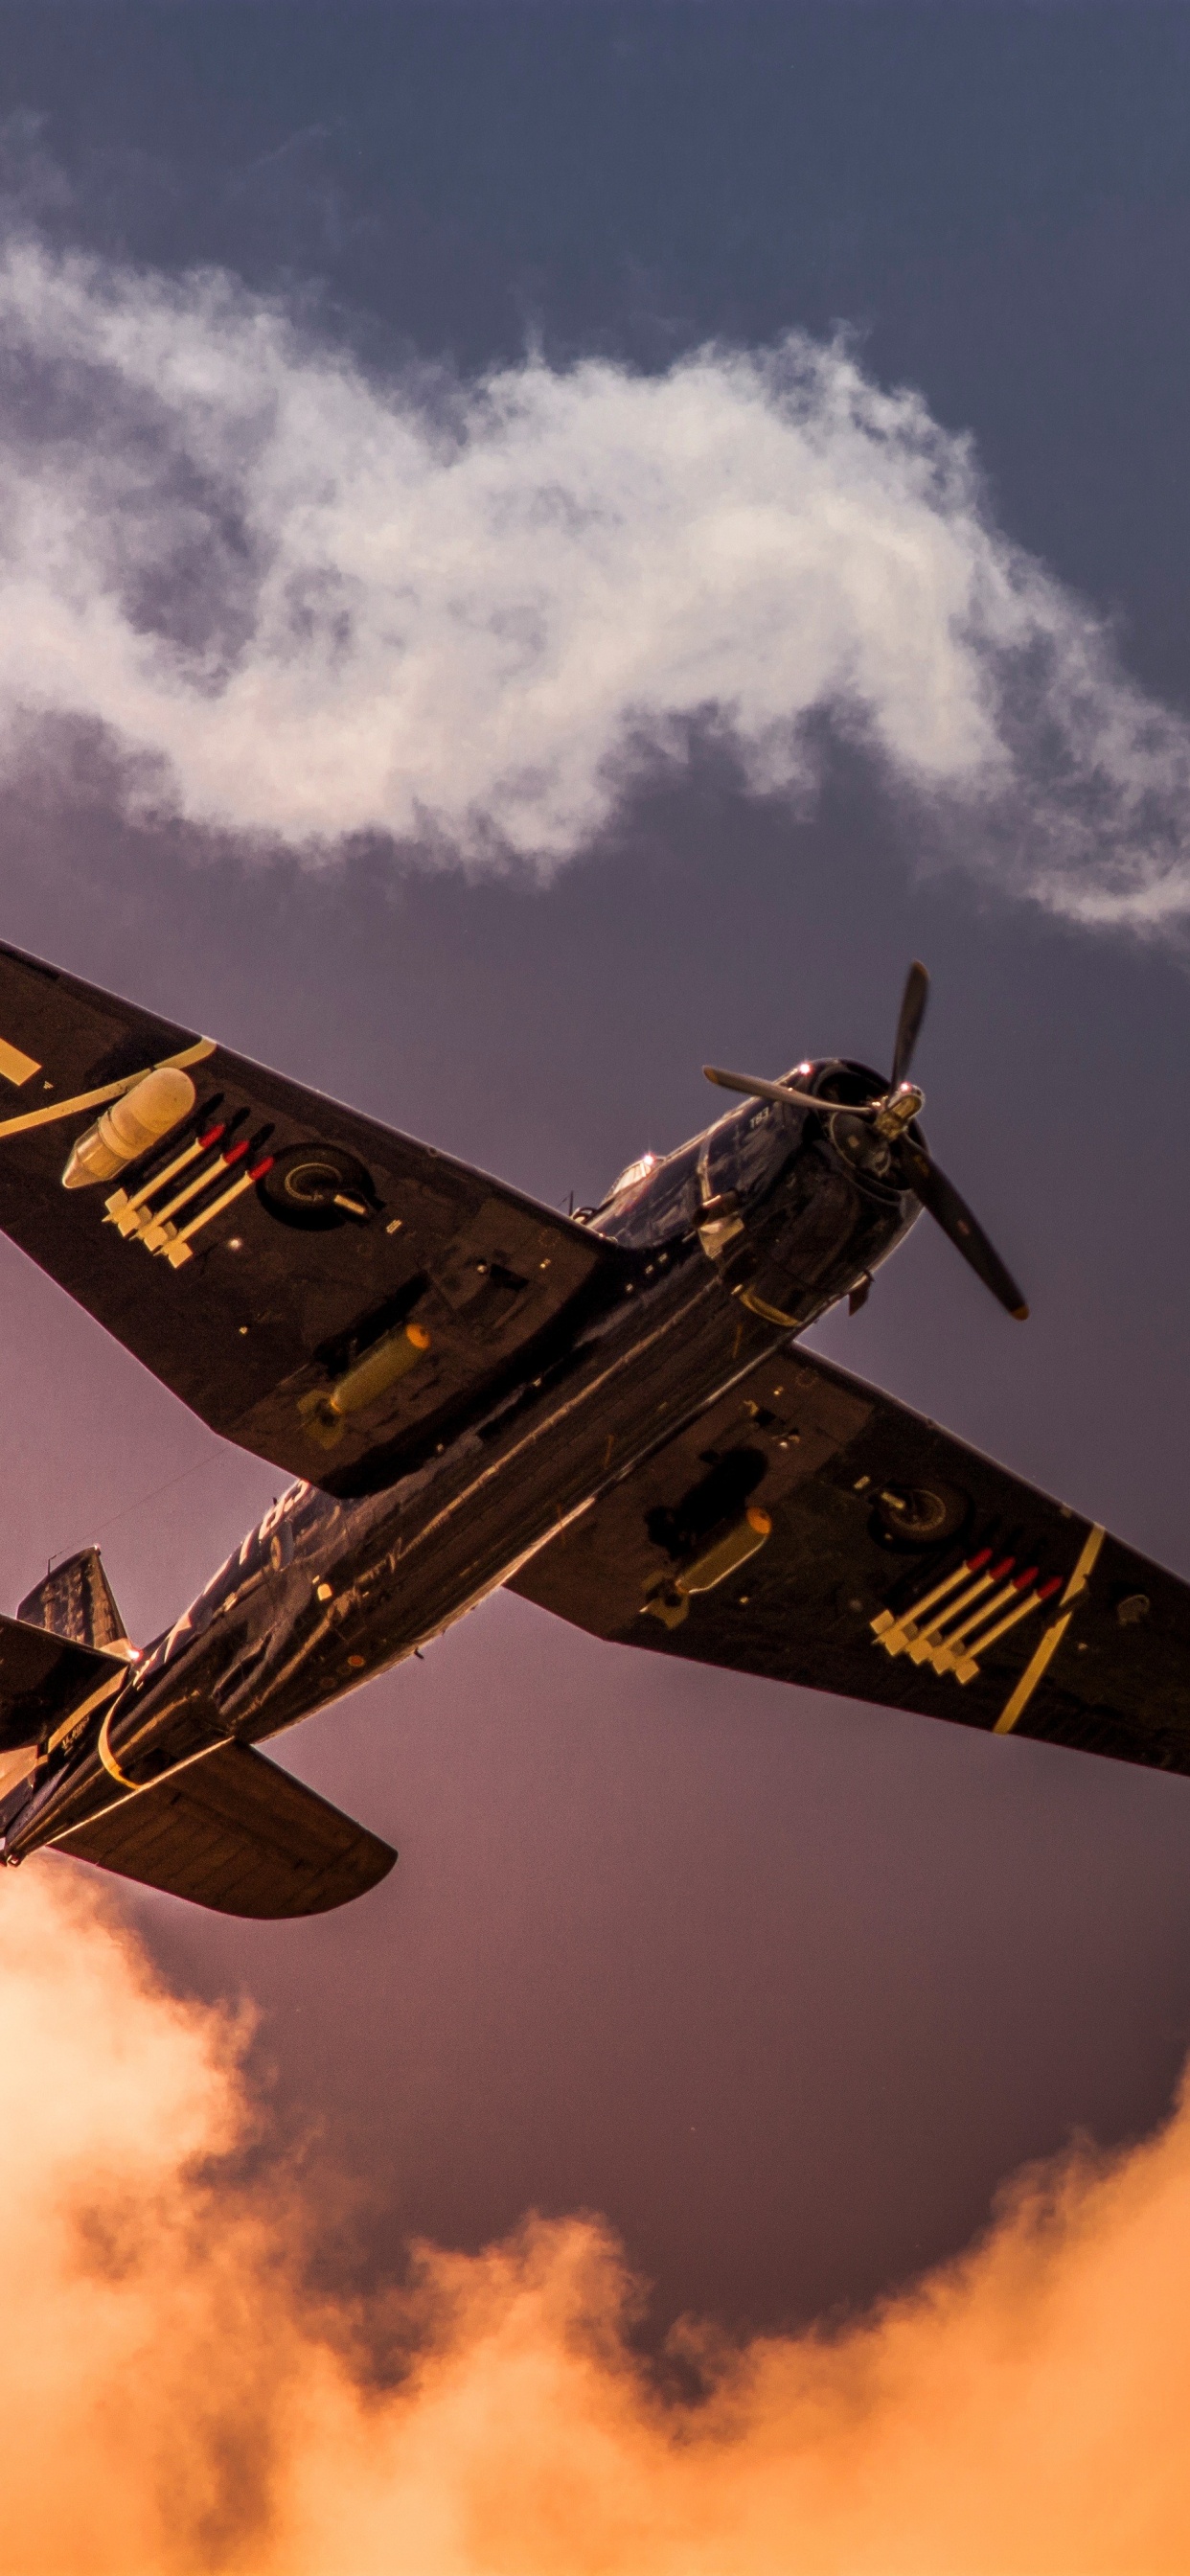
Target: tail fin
column 76, row 1600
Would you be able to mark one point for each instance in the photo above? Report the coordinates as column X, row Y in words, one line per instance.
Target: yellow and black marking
column 107, row 1757
column 16, row 1067
column 980, row 1601
column 1015, row 1707
column 98, row 1099
column 972, row 1607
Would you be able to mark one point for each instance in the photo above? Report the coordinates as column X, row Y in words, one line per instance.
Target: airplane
column 610, row 1412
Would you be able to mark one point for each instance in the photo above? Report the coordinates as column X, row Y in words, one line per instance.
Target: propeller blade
column 948, row 1210
column 913, row 1011
column 754, row 1089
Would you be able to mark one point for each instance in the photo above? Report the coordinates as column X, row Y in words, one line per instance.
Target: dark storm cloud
column 308, row 602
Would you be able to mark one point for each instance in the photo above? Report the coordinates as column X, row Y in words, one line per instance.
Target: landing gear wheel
column 317, row 1187
column 918, row 1515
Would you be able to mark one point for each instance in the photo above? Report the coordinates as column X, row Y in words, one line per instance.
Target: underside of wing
column 317, row 1288
column 820, row 1533
column 233, row 1832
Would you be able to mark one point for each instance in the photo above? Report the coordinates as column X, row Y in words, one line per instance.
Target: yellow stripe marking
column 108, row 1759
column 14, row 1066
column 1033, row 1673
column 1086, row 1565
column 1015, row 1707
column 107, row 1091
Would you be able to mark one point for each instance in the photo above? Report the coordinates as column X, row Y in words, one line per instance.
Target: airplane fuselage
column 731, row 1246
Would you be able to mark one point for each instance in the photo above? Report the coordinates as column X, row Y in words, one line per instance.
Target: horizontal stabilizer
column 44, row 1678
column 234, row 1832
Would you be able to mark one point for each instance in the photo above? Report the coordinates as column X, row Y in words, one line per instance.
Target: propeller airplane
column 610, row 1413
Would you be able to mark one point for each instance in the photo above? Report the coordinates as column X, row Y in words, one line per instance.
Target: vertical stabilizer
column 76, row 1600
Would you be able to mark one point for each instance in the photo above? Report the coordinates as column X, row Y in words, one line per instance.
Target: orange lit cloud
column 171, row 2398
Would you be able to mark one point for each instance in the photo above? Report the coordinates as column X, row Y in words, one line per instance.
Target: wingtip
column 1020, row 1314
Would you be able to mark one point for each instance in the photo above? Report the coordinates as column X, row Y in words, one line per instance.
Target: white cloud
column 315, row 602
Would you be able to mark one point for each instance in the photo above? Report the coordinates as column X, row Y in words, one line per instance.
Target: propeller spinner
column 891, row 1116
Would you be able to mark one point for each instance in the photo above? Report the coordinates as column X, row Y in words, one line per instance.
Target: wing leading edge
column 317, row 1288
column 820, row 1533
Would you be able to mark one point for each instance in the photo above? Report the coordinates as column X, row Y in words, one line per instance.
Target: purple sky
column 783, row 1987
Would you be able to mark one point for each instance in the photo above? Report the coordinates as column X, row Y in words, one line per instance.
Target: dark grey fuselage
column 731, row 1245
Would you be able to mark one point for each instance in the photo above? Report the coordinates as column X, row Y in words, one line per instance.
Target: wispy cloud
column 307, row 600
column 171, row 2396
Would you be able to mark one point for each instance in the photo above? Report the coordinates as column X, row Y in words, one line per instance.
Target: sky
column 543, row 546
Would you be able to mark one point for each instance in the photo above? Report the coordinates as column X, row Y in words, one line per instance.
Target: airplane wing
column 819, row 1532
column 234, row 1832
column 317, row 1288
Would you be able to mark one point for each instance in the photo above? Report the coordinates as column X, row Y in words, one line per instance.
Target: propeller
column 891, row 1117
column 909, row 1019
